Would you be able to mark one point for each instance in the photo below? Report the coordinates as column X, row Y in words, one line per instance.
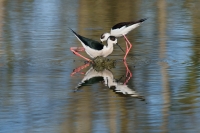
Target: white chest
column 107, row 50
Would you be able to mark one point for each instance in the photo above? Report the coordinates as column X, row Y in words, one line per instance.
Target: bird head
column 104, row 37
column 113, row 39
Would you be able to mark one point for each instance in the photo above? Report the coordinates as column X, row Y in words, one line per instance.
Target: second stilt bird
column 121, row 29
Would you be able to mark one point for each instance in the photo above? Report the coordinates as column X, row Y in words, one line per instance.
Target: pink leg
column 128, row 49
column 78, row 49
column 126, row 46
column 128, row 73
column 78, row 69
column 75, row 50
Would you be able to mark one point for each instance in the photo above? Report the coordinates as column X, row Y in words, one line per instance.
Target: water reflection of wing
column 92, row 76
column 124, row 89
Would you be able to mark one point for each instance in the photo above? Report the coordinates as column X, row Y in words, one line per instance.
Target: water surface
column 36, row 89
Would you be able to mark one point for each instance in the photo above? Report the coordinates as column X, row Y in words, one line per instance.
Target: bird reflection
column 106, row 77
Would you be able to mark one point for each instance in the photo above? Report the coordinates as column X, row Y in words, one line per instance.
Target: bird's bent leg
column 78, row 49
column 75, row 50
column 78, row 69
column 126, row 51
column 130, row 46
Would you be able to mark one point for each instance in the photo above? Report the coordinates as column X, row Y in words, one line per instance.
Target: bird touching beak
column 119, row 47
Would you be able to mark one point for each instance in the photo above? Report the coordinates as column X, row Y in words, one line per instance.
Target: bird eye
column 102, row 36
column 112, row 38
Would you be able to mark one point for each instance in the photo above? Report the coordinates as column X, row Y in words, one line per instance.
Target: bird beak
column 120, row 47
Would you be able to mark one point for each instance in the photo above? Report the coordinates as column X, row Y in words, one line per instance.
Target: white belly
column 92, row 52
column 107, row 51
column 123, row 30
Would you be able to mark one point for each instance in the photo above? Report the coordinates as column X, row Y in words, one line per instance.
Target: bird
column 92, row 76
column 94, row 48
column 121, row 29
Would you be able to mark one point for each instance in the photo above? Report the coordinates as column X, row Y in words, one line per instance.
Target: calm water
column 37, row 93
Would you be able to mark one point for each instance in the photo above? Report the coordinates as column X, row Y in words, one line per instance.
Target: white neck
column 108, row 49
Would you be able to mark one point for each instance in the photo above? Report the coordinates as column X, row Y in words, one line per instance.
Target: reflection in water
column 92, row 76
column 1, row 26
column 162, row 48
column 37, row 93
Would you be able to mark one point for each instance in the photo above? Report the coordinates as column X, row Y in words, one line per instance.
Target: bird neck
column 109, row 44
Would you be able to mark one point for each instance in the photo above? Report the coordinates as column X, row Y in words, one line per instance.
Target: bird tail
column 74, row 32
column 142, row 20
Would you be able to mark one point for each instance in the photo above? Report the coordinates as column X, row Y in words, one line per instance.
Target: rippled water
column 37, row 93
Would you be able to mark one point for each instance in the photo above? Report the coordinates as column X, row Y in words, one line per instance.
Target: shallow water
column 37, row 93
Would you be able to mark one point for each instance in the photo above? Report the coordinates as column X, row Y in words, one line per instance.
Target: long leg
column 130, row 46
column 78, row 69
column 128, row 73
column 75, row 50
column 127, row 49
column 78, row 49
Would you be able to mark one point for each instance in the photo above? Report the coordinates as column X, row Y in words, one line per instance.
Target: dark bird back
column 119, row 25
column 89, row 42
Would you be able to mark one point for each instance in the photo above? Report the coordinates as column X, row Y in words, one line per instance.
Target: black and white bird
column 94, row 48
column 121, row 29
column 92, row 76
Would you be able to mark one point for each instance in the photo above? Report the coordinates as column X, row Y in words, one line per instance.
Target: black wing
column 119, row 25
column 90, row 81
column 89, row 42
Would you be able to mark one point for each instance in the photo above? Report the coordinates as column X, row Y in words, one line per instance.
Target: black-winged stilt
column 93, row 76
column 121, row 29
column 94, row 48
